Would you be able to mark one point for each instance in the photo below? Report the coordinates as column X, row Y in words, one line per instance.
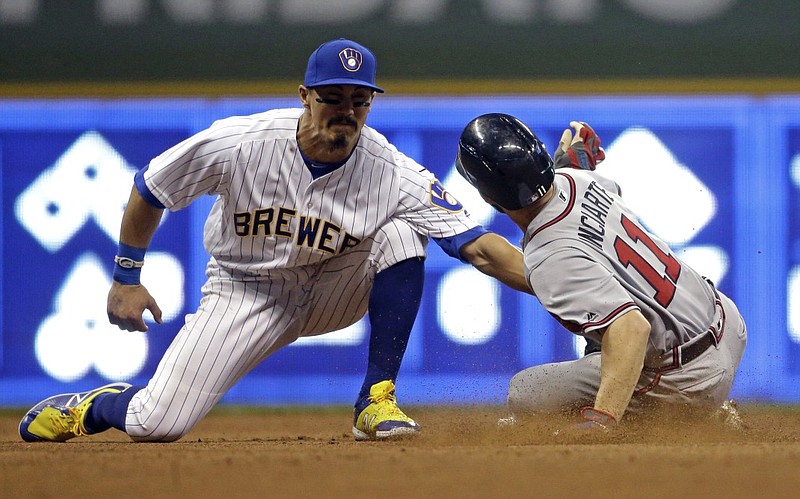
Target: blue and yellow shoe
column 377, row 416
column 60, row 418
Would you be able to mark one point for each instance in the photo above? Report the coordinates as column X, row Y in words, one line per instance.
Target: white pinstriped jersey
column 272, row 214
column 589, row 261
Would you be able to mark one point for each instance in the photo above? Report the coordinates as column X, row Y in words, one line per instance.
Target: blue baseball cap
column 341, row 62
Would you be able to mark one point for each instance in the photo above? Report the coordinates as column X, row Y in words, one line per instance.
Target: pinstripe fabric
column 267, row 284
column 253, row 163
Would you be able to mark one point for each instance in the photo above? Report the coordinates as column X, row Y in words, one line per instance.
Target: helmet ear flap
column 501, row 157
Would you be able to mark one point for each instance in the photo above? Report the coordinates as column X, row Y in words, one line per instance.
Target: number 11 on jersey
column 663, row 282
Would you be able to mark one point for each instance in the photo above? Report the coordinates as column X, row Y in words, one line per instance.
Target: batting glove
column 582, row 151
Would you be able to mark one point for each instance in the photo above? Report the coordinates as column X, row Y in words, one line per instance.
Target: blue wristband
column 128, row 264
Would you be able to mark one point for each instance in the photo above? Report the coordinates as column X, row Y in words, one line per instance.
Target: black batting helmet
column 504, row 160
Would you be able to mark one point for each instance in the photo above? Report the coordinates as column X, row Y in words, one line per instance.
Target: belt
column 678, row 356
column 681, row 355
column 693, row 351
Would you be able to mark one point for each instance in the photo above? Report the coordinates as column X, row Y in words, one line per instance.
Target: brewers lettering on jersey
column 318, row 220
column 665, row 332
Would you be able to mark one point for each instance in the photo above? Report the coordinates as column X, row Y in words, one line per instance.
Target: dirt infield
column 461, row 453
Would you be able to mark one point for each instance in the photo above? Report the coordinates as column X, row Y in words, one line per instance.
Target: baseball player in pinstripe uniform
column 666, row 333
column 318, row 220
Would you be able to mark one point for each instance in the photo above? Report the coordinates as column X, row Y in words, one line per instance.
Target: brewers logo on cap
column 340, row 62
column 351, row 59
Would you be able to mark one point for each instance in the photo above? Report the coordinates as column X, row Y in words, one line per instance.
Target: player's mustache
column 342, row 120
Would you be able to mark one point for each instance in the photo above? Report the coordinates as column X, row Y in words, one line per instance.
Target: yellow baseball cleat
column 377, row 416
column 60, row 418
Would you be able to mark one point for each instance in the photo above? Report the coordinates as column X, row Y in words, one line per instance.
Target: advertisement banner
column 715, row 177
column 270, row 40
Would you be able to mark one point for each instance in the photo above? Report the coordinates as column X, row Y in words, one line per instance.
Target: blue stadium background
column 745, row 149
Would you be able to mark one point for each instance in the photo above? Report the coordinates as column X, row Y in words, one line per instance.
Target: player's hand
column 127, row 303
column 581, row 151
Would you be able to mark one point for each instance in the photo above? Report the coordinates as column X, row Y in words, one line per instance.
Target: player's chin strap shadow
column 492, row 204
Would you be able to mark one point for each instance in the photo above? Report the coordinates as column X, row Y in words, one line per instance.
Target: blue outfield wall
column 718, row 177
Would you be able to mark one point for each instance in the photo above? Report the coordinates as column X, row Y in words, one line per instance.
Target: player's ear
column 304, row 92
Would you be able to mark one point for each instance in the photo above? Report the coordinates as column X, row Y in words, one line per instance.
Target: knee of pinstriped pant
column 143, row 433
column 148, row 421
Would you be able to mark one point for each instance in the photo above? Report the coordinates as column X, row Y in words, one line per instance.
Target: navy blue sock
column 109, row 410
column 393, row 306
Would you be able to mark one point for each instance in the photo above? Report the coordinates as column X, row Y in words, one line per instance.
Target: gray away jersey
column 272, row 214
column 589, row 260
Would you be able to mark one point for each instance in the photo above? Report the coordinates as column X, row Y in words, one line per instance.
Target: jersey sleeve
column 428, row 207
column 146, row 193
column 197, row 166
column 452, row 245
column 580, row 293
